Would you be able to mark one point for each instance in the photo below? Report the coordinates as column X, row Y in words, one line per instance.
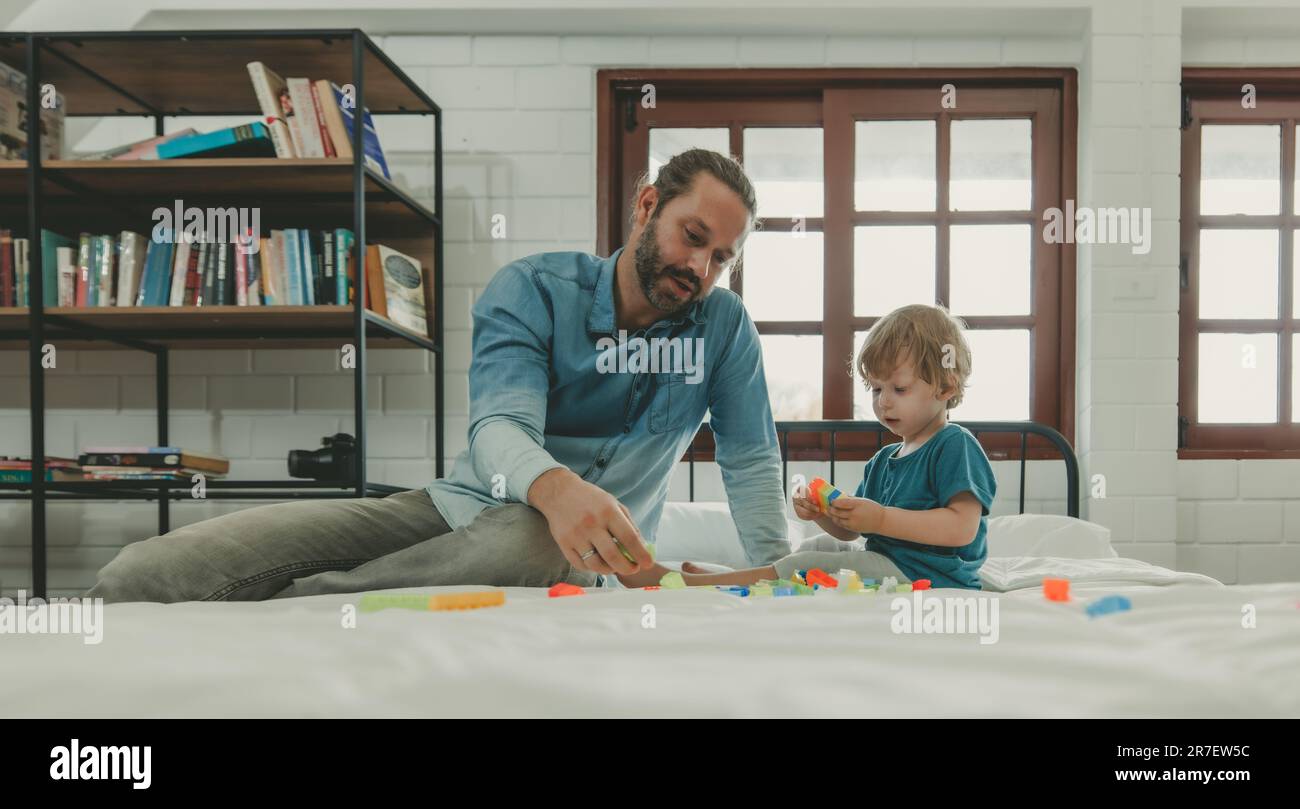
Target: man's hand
column 857, row 514
column 584, row 517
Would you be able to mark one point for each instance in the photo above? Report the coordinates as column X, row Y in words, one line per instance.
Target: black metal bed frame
column 1023, row 428
column 45, row 325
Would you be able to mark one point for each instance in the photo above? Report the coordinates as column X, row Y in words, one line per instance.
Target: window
column 1239, row 335
column 880, row 195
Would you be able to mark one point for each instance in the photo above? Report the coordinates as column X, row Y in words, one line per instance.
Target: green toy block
column 672, row 580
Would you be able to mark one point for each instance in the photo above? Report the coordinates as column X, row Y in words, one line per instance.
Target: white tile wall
column 519, row 135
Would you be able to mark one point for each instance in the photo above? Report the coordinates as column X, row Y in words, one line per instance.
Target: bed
column 1181, row 650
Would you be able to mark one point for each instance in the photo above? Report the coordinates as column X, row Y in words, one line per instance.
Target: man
column 570, row 452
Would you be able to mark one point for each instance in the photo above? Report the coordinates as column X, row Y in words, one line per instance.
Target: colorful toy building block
column 565, row 589
column 467, row 601
column 760, row 589
column 803, row 589
column 734, row 590
column 889, row 583
column 1107, row 605
column 446, row 601
column 818, row 576
column 849, row 581
column 921, row 584
column 1056, row 589
column 823, row 494
column 869, row 583
column 672, row 580
column 783, row 591
column 798, row 577
column 903, row 588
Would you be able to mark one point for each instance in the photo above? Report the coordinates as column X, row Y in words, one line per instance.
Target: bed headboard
column 1022, row 428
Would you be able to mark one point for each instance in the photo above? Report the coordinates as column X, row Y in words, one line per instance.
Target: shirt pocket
column 672, row 405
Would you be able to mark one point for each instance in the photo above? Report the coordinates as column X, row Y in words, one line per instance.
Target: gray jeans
column 311, row 547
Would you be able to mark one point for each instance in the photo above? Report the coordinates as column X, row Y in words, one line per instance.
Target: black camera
column 335, row 461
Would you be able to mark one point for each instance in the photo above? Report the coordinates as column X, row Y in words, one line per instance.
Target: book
column 269, row 86
column 207, row 286
column 52, row 475
column 130, row 261
column 404, row 289
column 148, row 456
column 194, row 273
column 326, row 145
column 67, row 264
column 311, row 277
column 253, row 262
column 334, row 126
column 84, row 262
column 155, row 284
column 305, row 115
column 22, row 269
column 50, row 242
column 106, row 264
column 92, row 285
column 245, row 140
column 138, row 150
column 343, row 241
column 375, row 299
column 221, row 284
column 8, row 280
column 293, row 267
column 241, row 276
column 327, row 263
column 180, row 271
column 372, row 153
column 270, row 287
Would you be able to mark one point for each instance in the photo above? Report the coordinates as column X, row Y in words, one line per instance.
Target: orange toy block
column 467, row 601
column 818, row 576
column 565, row 589
column 1056, row 589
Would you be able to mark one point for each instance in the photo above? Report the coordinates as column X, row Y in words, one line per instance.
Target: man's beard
column 650, row 271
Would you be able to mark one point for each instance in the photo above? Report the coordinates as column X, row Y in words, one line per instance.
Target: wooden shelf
column 205, row 72
column 203, row 327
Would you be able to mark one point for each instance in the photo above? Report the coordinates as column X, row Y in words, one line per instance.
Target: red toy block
column 565, row 589
column 1056, row 589
column 818, row 576
column 921, row 584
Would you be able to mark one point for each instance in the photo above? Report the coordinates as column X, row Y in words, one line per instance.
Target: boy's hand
column 804, row 508
column 857, row 514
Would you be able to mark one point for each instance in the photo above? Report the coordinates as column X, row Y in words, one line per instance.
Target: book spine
column 334, row 119
column 307, row 266
column 180, row 269
column 83, row 270
column 326, row 145
column 223, row 267
column 193, row 274
column 8, row 289
column 327, row 260
column 342, row 244
column 92, row 284
column 22, row 264
column 241, row 275
column 207, row 294
column 270, row 292
column 305, row 114
column 292, row 267
column 107, row 262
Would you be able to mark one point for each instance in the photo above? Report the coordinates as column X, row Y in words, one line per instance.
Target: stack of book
column 149, row 463
column 308, row 118
column 19, row 470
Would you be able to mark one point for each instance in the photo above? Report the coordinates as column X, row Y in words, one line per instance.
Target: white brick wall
column 519, row 133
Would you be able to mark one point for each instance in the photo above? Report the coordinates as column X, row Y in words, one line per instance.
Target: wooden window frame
column 1213, row 96
column 800, row 97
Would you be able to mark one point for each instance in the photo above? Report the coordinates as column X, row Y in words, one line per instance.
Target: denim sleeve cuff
column 500, row 447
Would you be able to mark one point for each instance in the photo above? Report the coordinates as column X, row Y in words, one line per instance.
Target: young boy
column 922, row 504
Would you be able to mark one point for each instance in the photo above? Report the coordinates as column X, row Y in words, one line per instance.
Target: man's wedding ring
column 584, row 557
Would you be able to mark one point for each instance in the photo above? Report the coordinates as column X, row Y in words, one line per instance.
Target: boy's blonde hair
column 923, row 334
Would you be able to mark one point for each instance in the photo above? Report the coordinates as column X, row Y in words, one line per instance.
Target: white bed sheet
column 1181, row 651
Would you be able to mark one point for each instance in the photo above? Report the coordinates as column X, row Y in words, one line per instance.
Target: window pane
column 793, row 367
column 991, row 165
column 893, row 166
column 783, row 276
column 998, row 388
column 1238, row 273
column 1295, row 379
column 1236, row 378
column 989, row 269
column 668, row 141
column 786, row 168
column 893, row 265
column 1240, row 169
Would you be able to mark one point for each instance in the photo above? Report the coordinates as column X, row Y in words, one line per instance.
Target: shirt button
column 600, row 462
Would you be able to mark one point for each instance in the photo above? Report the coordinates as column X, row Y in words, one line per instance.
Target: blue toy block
column 1109, row 604
column 783, row 591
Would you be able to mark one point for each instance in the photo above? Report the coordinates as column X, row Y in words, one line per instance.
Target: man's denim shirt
column 539, row 400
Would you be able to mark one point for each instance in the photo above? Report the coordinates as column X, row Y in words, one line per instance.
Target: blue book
column 374, row 155
column 292, row 271
column 308, row 266
column 245, row 140
column 155, row 287
column 92, row 286
column 342, row 251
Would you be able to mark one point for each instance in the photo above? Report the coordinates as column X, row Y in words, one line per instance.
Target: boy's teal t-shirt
column 951, row 462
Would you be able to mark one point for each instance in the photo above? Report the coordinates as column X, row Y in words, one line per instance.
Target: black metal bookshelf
column 163, row 74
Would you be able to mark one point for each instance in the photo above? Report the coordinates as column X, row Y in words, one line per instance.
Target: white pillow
column 705, row 532
column 1048, row 535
